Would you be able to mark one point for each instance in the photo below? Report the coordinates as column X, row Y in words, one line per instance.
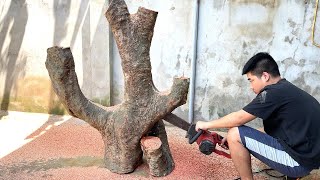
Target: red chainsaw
column 205, row 139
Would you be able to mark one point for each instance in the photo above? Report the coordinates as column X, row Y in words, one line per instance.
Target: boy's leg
column 268, row 150
column 239, row 154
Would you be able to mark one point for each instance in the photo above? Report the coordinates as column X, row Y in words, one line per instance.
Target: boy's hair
column 259, row 63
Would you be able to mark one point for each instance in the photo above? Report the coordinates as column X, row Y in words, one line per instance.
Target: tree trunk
column 122, row 126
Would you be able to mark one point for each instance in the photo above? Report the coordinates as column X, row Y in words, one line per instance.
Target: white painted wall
column 29, row 27
column 232, row 31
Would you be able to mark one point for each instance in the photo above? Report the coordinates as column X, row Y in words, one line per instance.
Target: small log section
column 140, row 114
column 152, row 150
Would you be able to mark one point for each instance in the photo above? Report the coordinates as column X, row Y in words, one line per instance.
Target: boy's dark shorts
column 268, row 150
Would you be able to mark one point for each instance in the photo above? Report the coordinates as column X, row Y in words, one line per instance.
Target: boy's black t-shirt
column 292, row 116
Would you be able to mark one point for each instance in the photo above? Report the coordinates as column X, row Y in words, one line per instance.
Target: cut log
column 152, row 151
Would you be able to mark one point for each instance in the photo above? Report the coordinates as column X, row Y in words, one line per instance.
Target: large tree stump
column 122, row 126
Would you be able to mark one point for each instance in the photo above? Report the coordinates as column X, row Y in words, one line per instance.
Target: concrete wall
column 230, row 32
column 28, row 28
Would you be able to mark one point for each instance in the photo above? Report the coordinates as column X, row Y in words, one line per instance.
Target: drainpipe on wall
column 110, row 58
column 111, row 101
column 193, row 61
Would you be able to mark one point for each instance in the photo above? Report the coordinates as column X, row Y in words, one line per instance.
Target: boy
column 291, row 119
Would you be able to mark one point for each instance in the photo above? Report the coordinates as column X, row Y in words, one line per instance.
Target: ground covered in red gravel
column 39, row 146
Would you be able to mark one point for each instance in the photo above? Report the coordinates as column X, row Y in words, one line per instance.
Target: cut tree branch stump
column 157, row 161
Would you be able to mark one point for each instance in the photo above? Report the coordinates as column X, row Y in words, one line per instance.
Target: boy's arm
column 234, row 119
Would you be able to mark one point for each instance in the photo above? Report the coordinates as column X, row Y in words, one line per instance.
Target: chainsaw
column 205, row 139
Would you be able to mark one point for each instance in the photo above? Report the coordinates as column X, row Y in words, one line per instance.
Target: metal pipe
column 314, row 24
column 193, row 61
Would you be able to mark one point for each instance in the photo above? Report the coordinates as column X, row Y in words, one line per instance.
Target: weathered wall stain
column 32, row 95
column 300, row 81
column 219, row 4
column 290, row 62
column 256, row 27
column 316, row 91
column 292, row 23
column 227, row 82
column 217, row 104
column 289, row 40
column 266, row 3
column 307, row 78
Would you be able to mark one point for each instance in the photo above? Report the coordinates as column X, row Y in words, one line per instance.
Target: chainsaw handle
column 195, row 137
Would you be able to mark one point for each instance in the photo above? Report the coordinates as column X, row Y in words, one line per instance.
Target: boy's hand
column 223, row 143
column 201, row 125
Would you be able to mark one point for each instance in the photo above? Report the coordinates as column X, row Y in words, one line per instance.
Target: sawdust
column 151, row 142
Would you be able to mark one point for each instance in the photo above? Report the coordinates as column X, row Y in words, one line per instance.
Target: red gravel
column 74, row 150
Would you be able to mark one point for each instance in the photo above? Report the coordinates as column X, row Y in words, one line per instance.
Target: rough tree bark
column 141, row 112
